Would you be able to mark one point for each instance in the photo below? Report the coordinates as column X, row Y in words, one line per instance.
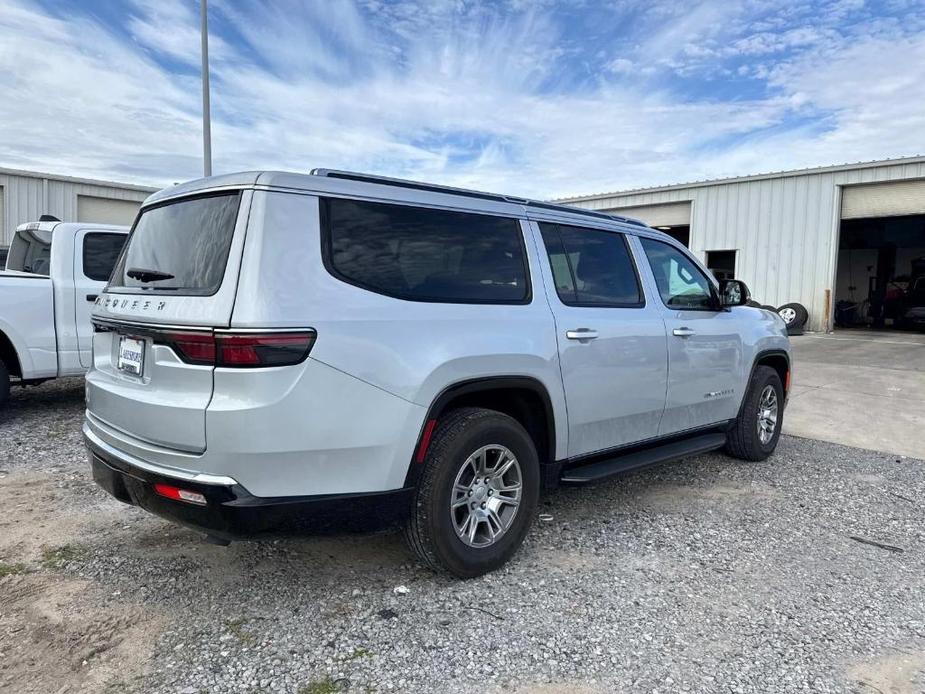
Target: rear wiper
column 143, row 275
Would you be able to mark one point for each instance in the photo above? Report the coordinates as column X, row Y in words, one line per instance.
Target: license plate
column 131, row 355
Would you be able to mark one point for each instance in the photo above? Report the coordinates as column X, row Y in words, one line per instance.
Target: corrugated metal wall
column 784, row 227
column 25, row 198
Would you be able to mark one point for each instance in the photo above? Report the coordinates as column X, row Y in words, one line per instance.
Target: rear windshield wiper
column 143, row 275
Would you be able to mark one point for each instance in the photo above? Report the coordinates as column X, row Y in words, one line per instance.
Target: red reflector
column 178, row 494
column 787, row 383
column 425, row 440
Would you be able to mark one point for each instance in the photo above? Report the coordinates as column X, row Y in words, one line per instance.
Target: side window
column 680, row 282
column 591, row 267
column 100, row 253
column 423, row 254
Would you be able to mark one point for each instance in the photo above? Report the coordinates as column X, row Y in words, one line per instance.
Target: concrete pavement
column 860, row 388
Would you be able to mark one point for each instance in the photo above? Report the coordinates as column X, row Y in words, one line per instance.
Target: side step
column 592, row 472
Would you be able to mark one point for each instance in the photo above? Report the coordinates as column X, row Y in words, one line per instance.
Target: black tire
column 4, row 383
column 767, row 307
column 430, row 531
column 794, row 315
column 743, row 441
column 753, row 303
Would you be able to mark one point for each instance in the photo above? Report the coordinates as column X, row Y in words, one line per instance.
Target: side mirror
column 733, row 293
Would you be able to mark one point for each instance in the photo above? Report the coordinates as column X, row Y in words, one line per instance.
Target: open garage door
column 880, row 281
column 883, row 199
column 673, row 218
column 106, row 210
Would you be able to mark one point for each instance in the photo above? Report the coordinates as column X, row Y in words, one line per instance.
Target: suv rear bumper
column 230, row 511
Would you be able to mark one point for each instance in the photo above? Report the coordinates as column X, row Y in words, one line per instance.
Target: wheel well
column 8, row 356
column 524, row 405
column 778, row 362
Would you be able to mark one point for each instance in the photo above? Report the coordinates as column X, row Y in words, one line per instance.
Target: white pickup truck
column 54, row 271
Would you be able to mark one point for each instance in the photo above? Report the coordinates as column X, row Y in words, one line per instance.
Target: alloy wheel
column 767, row 414
column 486, row 495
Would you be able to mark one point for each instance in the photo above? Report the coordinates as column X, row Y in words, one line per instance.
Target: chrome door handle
column 683, row 332
column 581, row 334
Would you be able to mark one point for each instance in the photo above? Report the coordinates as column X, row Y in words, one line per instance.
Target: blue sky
column 529, row 97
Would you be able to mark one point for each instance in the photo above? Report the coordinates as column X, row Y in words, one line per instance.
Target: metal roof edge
column 5, row 171
column 790, row 173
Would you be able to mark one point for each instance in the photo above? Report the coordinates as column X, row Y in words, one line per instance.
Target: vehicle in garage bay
column 274, row 345
column 54, row 272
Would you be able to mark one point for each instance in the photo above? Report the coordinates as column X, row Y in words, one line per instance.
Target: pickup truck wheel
column 4, row 383
column 756, row 430
column 477, row 494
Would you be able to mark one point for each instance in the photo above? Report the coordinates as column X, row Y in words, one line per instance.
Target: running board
column 592, row 472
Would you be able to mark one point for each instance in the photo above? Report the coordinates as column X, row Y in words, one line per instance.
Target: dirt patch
column 671, row 498
column 902, row 672
column 33, row 517
column 59, row 633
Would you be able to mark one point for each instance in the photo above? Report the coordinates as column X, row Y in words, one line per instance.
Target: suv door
column 94, row 258
column 612, row 345
column 705, row 353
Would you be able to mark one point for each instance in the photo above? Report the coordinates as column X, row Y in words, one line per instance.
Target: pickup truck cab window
column 100, row 253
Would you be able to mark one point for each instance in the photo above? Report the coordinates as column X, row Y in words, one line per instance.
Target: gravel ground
column 711, row 575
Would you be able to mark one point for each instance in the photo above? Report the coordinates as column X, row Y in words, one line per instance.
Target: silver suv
column 274, row 346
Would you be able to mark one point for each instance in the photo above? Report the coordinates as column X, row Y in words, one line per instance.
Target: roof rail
column 465, row 192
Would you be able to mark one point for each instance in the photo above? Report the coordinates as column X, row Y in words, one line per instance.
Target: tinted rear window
column 188, row 239
column 425, row 255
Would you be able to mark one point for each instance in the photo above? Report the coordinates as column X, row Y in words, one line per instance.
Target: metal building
column 850, row 237
column 26, row 195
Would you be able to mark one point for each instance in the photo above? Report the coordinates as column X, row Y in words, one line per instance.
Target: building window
column 722, row 264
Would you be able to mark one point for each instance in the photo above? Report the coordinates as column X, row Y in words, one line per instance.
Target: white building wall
column 784, row 226
column 28, row 195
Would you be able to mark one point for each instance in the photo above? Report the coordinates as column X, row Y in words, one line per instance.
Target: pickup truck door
column 95, row 255
column 612, row 343
column 705, row 353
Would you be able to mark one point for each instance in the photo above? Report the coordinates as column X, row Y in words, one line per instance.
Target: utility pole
column 206, row 116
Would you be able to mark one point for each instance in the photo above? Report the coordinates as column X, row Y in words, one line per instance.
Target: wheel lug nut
column 483, row 504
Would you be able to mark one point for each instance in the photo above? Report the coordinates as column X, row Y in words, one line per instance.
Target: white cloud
column 444, row 91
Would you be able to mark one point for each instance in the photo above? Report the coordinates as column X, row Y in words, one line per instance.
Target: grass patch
column 322, row 686
column 54, row 557
column 235, row 627
column 357, row 654
column 11, row 569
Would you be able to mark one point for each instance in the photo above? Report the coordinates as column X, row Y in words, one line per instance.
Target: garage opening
column 880, row 279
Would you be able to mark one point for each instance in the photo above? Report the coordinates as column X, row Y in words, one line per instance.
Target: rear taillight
column 193, row 348
column 240, row 349
column 263, row 349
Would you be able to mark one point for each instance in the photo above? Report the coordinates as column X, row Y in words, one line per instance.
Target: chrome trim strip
column 93, row 441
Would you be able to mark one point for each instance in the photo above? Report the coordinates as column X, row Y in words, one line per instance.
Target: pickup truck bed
column 26, row 303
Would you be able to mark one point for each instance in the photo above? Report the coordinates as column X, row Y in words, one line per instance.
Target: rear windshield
column 180, row 247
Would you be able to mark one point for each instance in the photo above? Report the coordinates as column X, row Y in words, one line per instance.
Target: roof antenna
column 48, row 218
